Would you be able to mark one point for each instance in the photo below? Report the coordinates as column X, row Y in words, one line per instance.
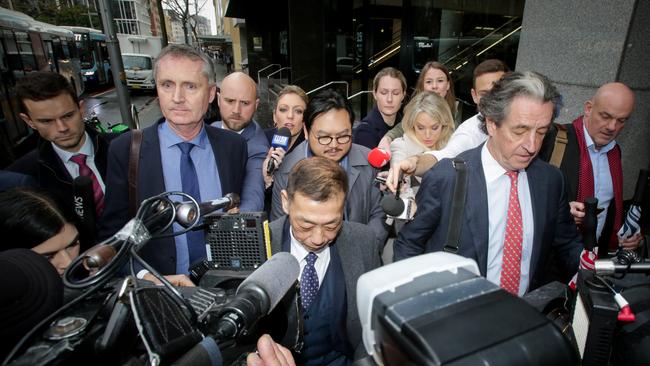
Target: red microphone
column 378, row 158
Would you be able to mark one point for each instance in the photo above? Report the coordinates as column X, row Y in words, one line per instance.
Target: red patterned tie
column 513, row 238
column 85, row 170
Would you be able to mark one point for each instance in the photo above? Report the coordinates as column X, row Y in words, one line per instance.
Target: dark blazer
column 363, row 200
column 230, row 153
column 555, row 229
column 10, row 180
column 372, row 129
column 45, row 166
column 358, row 253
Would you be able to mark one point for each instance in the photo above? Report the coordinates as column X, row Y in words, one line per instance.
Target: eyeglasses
column 326, row 140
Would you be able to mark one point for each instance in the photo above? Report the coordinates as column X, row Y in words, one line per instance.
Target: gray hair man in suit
column 332, row 253
column 328, row 132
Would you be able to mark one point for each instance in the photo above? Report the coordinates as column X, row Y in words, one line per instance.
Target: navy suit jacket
column 10, row 180
column 555, row 229
column 252, row 198
column 230, row 153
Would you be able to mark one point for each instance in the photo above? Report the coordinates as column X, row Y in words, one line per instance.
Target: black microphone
column 84, row 206
column 280, row 139
column 258, row 295
column 392, row 205
column 590, row 223
column 641, row 184
column 186, row 211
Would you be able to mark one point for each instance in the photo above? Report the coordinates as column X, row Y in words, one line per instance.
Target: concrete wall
column 583, row 44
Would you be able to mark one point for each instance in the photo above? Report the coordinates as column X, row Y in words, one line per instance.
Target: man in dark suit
column 332, row 253
column 516, row 210
column 237, row 104
column 179, row 153
column 591, row 147
column 328, row 131
column 66, row 147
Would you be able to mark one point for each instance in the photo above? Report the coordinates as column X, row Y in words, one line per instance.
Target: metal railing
column 268, row 82
column 359, row 93
column 347, row 87
column 259, row 73
column 278, row 71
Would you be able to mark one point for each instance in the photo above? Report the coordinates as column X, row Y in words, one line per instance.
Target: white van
column 139, row 71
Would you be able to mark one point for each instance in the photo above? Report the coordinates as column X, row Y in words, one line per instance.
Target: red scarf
column 586, row 178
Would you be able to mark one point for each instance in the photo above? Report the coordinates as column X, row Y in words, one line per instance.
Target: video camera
column 116, row 321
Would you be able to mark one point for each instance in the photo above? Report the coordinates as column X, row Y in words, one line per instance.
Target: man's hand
column 395, row 173
column 577, row 211
column 631, row 243
column 270, row 353
column 176, row 280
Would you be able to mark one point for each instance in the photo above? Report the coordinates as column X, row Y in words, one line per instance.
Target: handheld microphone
column 590, row 223
column 378, row 158
column 280, row 139
column 396, row 207
column 84, row 206
column 610, row 267
column 258, row 295
column 186, row 212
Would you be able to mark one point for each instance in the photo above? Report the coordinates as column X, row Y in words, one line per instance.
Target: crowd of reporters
column 318, row 187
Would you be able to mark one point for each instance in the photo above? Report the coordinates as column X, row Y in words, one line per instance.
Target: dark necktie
column 309, row 281
column 84, row 169
column 190, row 182
column 513, row 239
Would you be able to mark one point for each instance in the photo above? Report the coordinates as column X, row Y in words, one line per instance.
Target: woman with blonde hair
column 428, row 125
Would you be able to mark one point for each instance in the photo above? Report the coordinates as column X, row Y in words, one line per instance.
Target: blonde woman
column 428, row 125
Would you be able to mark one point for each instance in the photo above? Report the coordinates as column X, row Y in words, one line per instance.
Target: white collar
column 86, row 149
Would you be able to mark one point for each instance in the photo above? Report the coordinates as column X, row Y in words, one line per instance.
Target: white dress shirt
column 603, row 187
column 498, row 194
column 467, row 136
column 300, row 253
column 87, row 149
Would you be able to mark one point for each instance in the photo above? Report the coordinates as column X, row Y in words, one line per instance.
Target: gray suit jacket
column 357, row 258
column 363, row 201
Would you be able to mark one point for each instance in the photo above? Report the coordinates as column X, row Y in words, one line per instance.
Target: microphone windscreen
column 84, row 198
column 378, row 158
column 281, row 138
column 234, row 198
column 275, row 277
column 590, row 223
column 392, row 206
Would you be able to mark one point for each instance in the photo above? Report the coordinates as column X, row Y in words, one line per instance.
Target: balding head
column 607, row 111
column 237, row 101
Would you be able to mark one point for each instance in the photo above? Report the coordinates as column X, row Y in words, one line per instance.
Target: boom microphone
column 84, row 207
column 186, row 211
column 610, row 267
column 258, row 295
column 378, row 158
column 280, row 139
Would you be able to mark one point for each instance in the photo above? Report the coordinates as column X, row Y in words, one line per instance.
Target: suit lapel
column 223, row 164
column 538, row 193
column 151, row 180
column 476, row 208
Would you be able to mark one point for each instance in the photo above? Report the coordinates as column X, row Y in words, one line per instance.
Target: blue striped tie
column 190, row 182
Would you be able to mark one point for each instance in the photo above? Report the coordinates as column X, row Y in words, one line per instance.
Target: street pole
column 117, row 67
column 163, row 26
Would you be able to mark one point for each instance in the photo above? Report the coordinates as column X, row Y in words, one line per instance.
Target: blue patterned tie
column 309, row 281
column 190, row 182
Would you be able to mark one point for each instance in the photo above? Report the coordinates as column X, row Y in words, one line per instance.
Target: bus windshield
column 136, row 62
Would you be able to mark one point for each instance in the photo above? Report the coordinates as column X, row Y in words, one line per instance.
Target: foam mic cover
column 280, row 139
column 84, row 206
column 590, row 223
column 641, row 184
column 275, row 277
column 392, row 205
column 378, row 158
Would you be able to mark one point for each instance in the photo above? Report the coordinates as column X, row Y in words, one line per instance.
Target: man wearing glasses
column 328, row 133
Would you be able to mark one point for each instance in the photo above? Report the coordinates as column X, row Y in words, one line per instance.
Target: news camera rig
column 114, row 320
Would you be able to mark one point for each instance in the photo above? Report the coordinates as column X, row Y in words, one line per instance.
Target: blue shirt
column 603, row 186
column 207, row 173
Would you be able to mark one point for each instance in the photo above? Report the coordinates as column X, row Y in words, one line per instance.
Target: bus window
column 26, row 52
column 41, row 55
column 13, row 57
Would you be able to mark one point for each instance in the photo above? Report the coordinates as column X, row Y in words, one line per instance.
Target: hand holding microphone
column 281, row 139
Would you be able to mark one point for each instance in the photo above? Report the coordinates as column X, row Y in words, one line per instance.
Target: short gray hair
column 495, row 105
column 182, row 50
